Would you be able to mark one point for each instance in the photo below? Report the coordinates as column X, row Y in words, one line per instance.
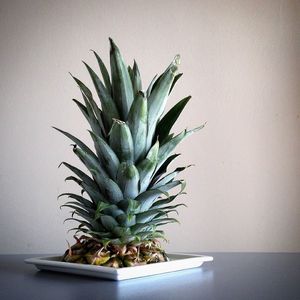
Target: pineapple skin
column 88, row 250
column 125, row 197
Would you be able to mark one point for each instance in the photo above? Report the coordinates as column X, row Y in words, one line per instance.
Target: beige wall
column 241, row 65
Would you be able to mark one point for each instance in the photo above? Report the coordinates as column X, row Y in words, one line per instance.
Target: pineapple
column 125, row 197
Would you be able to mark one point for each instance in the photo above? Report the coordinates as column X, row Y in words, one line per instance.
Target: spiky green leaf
column 120, row 140
column 147, row 198
column 136, row 80
column 109, row 108
column 121, row 82
column 168, row 178
column 91, row 162
column 92, row 107
column 137, row 122
column 147, row 166
column 108, row 222
column 128, row 180
column 166, row 123
column 163, row 168
column 113, row 210
column 147, row 216
column 174, row 81
column 108, row 187
column 106, row 155
column 85, row 202
column 78, row 142
column 158, row 98
column 104, row 72
column 167, row 148
column 149, row 89
column 126, row 220
column 129, row 206
column 90, row 117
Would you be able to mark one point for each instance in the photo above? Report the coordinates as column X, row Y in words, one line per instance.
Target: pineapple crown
column 125, row 198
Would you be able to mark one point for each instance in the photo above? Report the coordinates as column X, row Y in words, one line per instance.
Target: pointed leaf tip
column 177, row 59
column 120, row 122
column 112, row 43
column 141, row 93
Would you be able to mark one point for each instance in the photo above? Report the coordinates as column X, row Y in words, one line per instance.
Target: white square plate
column 178, row 262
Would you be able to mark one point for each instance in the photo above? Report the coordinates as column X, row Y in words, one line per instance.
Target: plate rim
column 42, row 262
column 47, row 259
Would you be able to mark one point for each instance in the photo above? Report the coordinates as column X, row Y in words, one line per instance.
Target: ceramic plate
column 178, row 262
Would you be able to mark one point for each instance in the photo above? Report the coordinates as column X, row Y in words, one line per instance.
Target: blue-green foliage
column 128, row 185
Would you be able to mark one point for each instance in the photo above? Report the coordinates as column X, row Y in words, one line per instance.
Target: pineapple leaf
column 171, row 185
column 160, row 203
column 94, row 193
column 164, row 221
column 99, row 234
column 123, row 234
column 129, row 206
column 79, row 211
column 85, row 202
column 147, row 166
column 104, row 72
column 106, row 155
column 170, row 208
column 113, row 211
column 95, row 126
column 101, row 206
column 120, row 140
column 78, row 142
column 128, row 180
column 74, row 228
column 73, row 178
column 91, row 162
column 136, row 80
column 87, row 208
column 92, row 107
column 137, row 122
column 108, row 187
column 168, row 178
column 121, row 82
column 147, row 216
column 108, row 222
column 150, row 235
column 142, row 227
column 126, row 220
column 130, row 72
column 147, row 198
column 155, row 81
column 158, row 98
column 150, row 87
column 82, row 222
column 174, row 81
column 167, row 122
column 164, row 167
column 108, row 106
column 88, row 184
column 169, row 146
column 96, row 111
